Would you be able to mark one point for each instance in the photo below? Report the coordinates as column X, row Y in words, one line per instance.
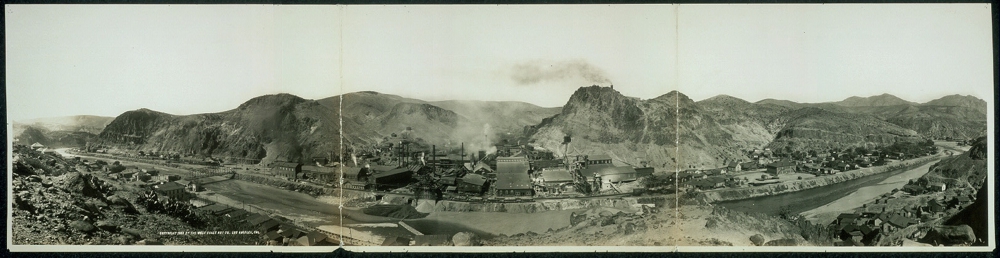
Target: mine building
column 513, row 184
column 290, row 170
column 472, row 183
column 781, row 167
column 555, row 179
column 324, row 174
column 395, row 178
column 598, row 159
column 512, row 177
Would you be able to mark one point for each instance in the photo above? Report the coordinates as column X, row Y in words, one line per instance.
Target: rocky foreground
column 691, row 225
column 58, row 201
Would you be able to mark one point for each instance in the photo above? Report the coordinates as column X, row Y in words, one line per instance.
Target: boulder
column 77, row 183
column 134, row 232
column 606, row 214
column 757, row 240
column 465, row 239
column 782, row 242
column 83, row 226
column 950, row 235
column 107, row 225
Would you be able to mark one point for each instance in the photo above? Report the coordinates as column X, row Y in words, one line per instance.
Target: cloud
column 533, row 72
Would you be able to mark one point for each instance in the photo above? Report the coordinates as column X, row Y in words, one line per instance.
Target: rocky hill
column 55, row 139
column 68, row 131
column 287, row 127
column 717, row 130
column 82, row 123
column 370, row 116
column 966, row 169
column 953, row 116
column 271, row 127
column 883, row 100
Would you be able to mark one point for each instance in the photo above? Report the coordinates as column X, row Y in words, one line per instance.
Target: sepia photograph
column 500, row 128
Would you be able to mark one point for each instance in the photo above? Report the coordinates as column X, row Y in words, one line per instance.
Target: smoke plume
column 538, row 71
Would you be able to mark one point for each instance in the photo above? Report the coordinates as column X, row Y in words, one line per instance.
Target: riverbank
column 828, row 212
column 525, row 207
column 735, row 194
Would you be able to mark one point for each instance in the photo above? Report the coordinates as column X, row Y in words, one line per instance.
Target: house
column 36, row 146
column 290, row 170
column 313, row 238
column 644, row 171
column 781, row 167
column 899, row 221
column 172, row 190
column 934, row 206
column 396, row 241
column 734, row 166
column 472, row 183
column 939, row 186
column 845, row 219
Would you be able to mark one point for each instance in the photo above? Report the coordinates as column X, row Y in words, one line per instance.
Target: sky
column 108, row 59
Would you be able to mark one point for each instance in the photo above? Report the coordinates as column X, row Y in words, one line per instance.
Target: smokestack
column 461, row 161
column 434, row 153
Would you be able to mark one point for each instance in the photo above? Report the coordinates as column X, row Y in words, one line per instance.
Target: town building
column 290, row 170
column 395, row 178
column 555, row 179
column 172, row 190
column 781, row 167
column 323, row 174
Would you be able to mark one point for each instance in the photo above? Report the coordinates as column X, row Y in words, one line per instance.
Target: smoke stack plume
column 533, row 72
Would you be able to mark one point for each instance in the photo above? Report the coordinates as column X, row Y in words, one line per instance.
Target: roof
column 380, row 168
column 782, row 163
column 556, row 175
column 900, row 221
column 512, row 159
column 291, row 233
column 183, row 182
column 312, row 238
column 237, row 213
column 598, row 157
column 353, row 171
column 396, row 241
column 318, row 169
column 285, row 164
column 257, row 219
column 482, row 165
column 272, row 235
column 393, row 172
column 513, row 181
column 733, row 164
column 518, row 167
column 473, row 179
column 169, row 186
column 431, row 240
column 268, row 225
column 593, row 171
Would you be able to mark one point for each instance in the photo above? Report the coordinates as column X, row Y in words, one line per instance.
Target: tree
column 812, row 153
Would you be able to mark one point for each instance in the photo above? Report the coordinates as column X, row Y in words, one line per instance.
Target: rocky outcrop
column 950, row 235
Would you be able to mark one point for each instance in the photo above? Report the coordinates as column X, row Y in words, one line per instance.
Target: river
column 818, row 204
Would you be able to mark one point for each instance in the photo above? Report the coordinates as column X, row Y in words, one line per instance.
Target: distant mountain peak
column 882, row 100
column 280, row 99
